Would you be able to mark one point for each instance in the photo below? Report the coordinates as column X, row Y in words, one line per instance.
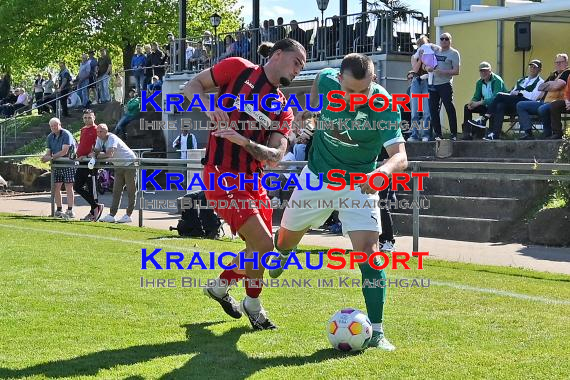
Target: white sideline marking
column 438, row 283
column 97, row 237
column 502, row 293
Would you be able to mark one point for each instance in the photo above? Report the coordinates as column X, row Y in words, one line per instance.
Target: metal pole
column 52, row 188
column 141, row 198
column 416, row 210
column 182, row 34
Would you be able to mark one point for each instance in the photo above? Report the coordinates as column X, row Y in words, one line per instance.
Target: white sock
column 253, row 305
column 218, row 289
column 378, row 327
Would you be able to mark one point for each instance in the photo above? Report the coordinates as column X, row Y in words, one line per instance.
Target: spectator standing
column 110, row 146
column 83, row 80
column 148, row 71
column 38, row 89
column 104, row 76
column 60, row 143
column 242, row 46
column 64, row 81
column 93, row 74
column 420, row 121
column 138, row 62
column 184, row 142
column 448, row 65
column 48, row 95
column 157, row 60
column 84, row 185
column 298, row 34
column 265, row 31
column 280, row 29
column 229, row 47
column 553, row 89
column 272, row 31
column 199, row 58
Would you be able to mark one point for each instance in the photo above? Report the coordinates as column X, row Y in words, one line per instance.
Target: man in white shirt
column 185, row 142
column 504, row 104
column 109, row 145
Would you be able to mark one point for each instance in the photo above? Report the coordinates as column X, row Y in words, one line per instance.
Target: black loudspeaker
column 522, row 36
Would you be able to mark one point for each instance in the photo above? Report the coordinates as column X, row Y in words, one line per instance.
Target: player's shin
column 283, row 256
column 374, row 291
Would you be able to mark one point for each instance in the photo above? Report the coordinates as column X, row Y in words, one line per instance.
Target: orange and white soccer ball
column 349, row 330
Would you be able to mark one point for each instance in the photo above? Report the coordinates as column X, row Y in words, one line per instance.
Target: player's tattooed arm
column 271, row 153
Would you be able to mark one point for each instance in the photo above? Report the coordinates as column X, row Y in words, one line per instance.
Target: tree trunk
column 128, row 52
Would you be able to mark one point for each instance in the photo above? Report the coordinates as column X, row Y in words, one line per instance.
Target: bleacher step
column 452, row 228
column 470, row 207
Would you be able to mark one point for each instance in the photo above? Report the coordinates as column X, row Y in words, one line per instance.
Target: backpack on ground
column 198, row 222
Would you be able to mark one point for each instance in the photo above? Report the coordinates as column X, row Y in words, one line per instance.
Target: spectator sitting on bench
column 505, row 104
column 557, row 108
column 11, row 98
column 486, row 89
column 8, row 110
column 74, row 100
column 132, row 111
column 553, row 86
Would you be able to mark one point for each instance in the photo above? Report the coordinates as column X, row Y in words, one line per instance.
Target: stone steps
column 469, row 207
column 453, row 228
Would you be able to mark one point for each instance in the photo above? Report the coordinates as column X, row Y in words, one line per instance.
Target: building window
column 465, row 5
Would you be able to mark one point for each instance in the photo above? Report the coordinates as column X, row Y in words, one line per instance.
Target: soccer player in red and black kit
column 246, row 151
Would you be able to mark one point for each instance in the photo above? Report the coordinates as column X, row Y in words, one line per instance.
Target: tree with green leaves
column 36, row 34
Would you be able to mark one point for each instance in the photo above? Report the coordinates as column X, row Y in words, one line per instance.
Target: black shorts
column 64, row 175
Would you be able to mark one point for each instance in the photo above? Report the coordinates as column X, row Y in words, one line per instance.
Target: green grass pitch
column 71, row 306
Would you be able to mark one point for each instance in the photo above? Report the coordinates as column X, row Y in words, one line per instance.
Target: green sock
column 374, row 295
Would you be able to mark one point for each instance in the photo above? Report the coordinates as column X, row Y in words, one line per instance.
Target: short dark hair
column 358, row 64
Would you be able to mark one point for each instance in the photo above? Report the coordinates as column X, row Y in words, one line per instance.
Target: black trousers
column 442, row 93
column 85, row 185
column 63, row 102
column 468, row 129
column 387, row 234
column 500, row 106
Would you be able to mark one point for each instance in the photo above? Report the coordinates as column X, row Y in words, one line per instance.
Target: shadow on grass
column 214, row 356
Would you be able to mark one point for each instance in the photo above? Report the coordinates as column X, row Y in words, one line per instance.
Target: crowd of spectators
column 531, row 95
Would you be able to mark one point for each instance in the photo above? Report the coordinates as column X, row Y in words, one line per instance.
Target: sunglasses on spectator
column 444, row 38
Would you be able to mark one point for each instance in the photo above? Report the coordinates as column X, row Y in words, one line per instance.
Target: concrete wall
column 473, row 51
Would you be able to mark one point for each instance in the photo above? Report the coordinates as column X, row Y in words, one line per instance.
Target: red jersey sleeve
column 285, row 123
column 227, row 69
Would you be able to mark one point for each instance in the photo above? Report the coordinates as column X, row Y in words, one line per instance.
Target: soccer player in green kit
column 356, row 151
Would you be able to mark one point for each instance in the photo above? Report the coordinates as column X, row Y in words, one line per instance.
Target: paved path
column 546, row 259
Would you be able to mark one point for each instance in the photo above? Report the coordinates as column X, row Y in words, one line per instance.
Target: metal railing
column 373, row 32
column 436, row 169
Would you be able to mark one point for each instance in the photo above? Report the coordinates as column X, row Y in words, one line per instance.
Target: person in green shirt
column 354, row 150
column 486, row 89
column 132, row 111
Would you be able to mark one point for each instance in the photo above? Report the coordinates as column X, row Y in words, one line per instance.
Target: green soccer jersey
column 356, row 138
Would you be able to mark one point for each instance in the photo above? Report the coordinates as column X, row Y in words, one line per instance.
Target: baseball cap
column 484, row 66
column 536, row 62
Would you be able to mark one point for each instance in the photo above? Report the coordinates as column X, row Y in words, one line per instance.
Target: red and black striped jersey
column 239, row 76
